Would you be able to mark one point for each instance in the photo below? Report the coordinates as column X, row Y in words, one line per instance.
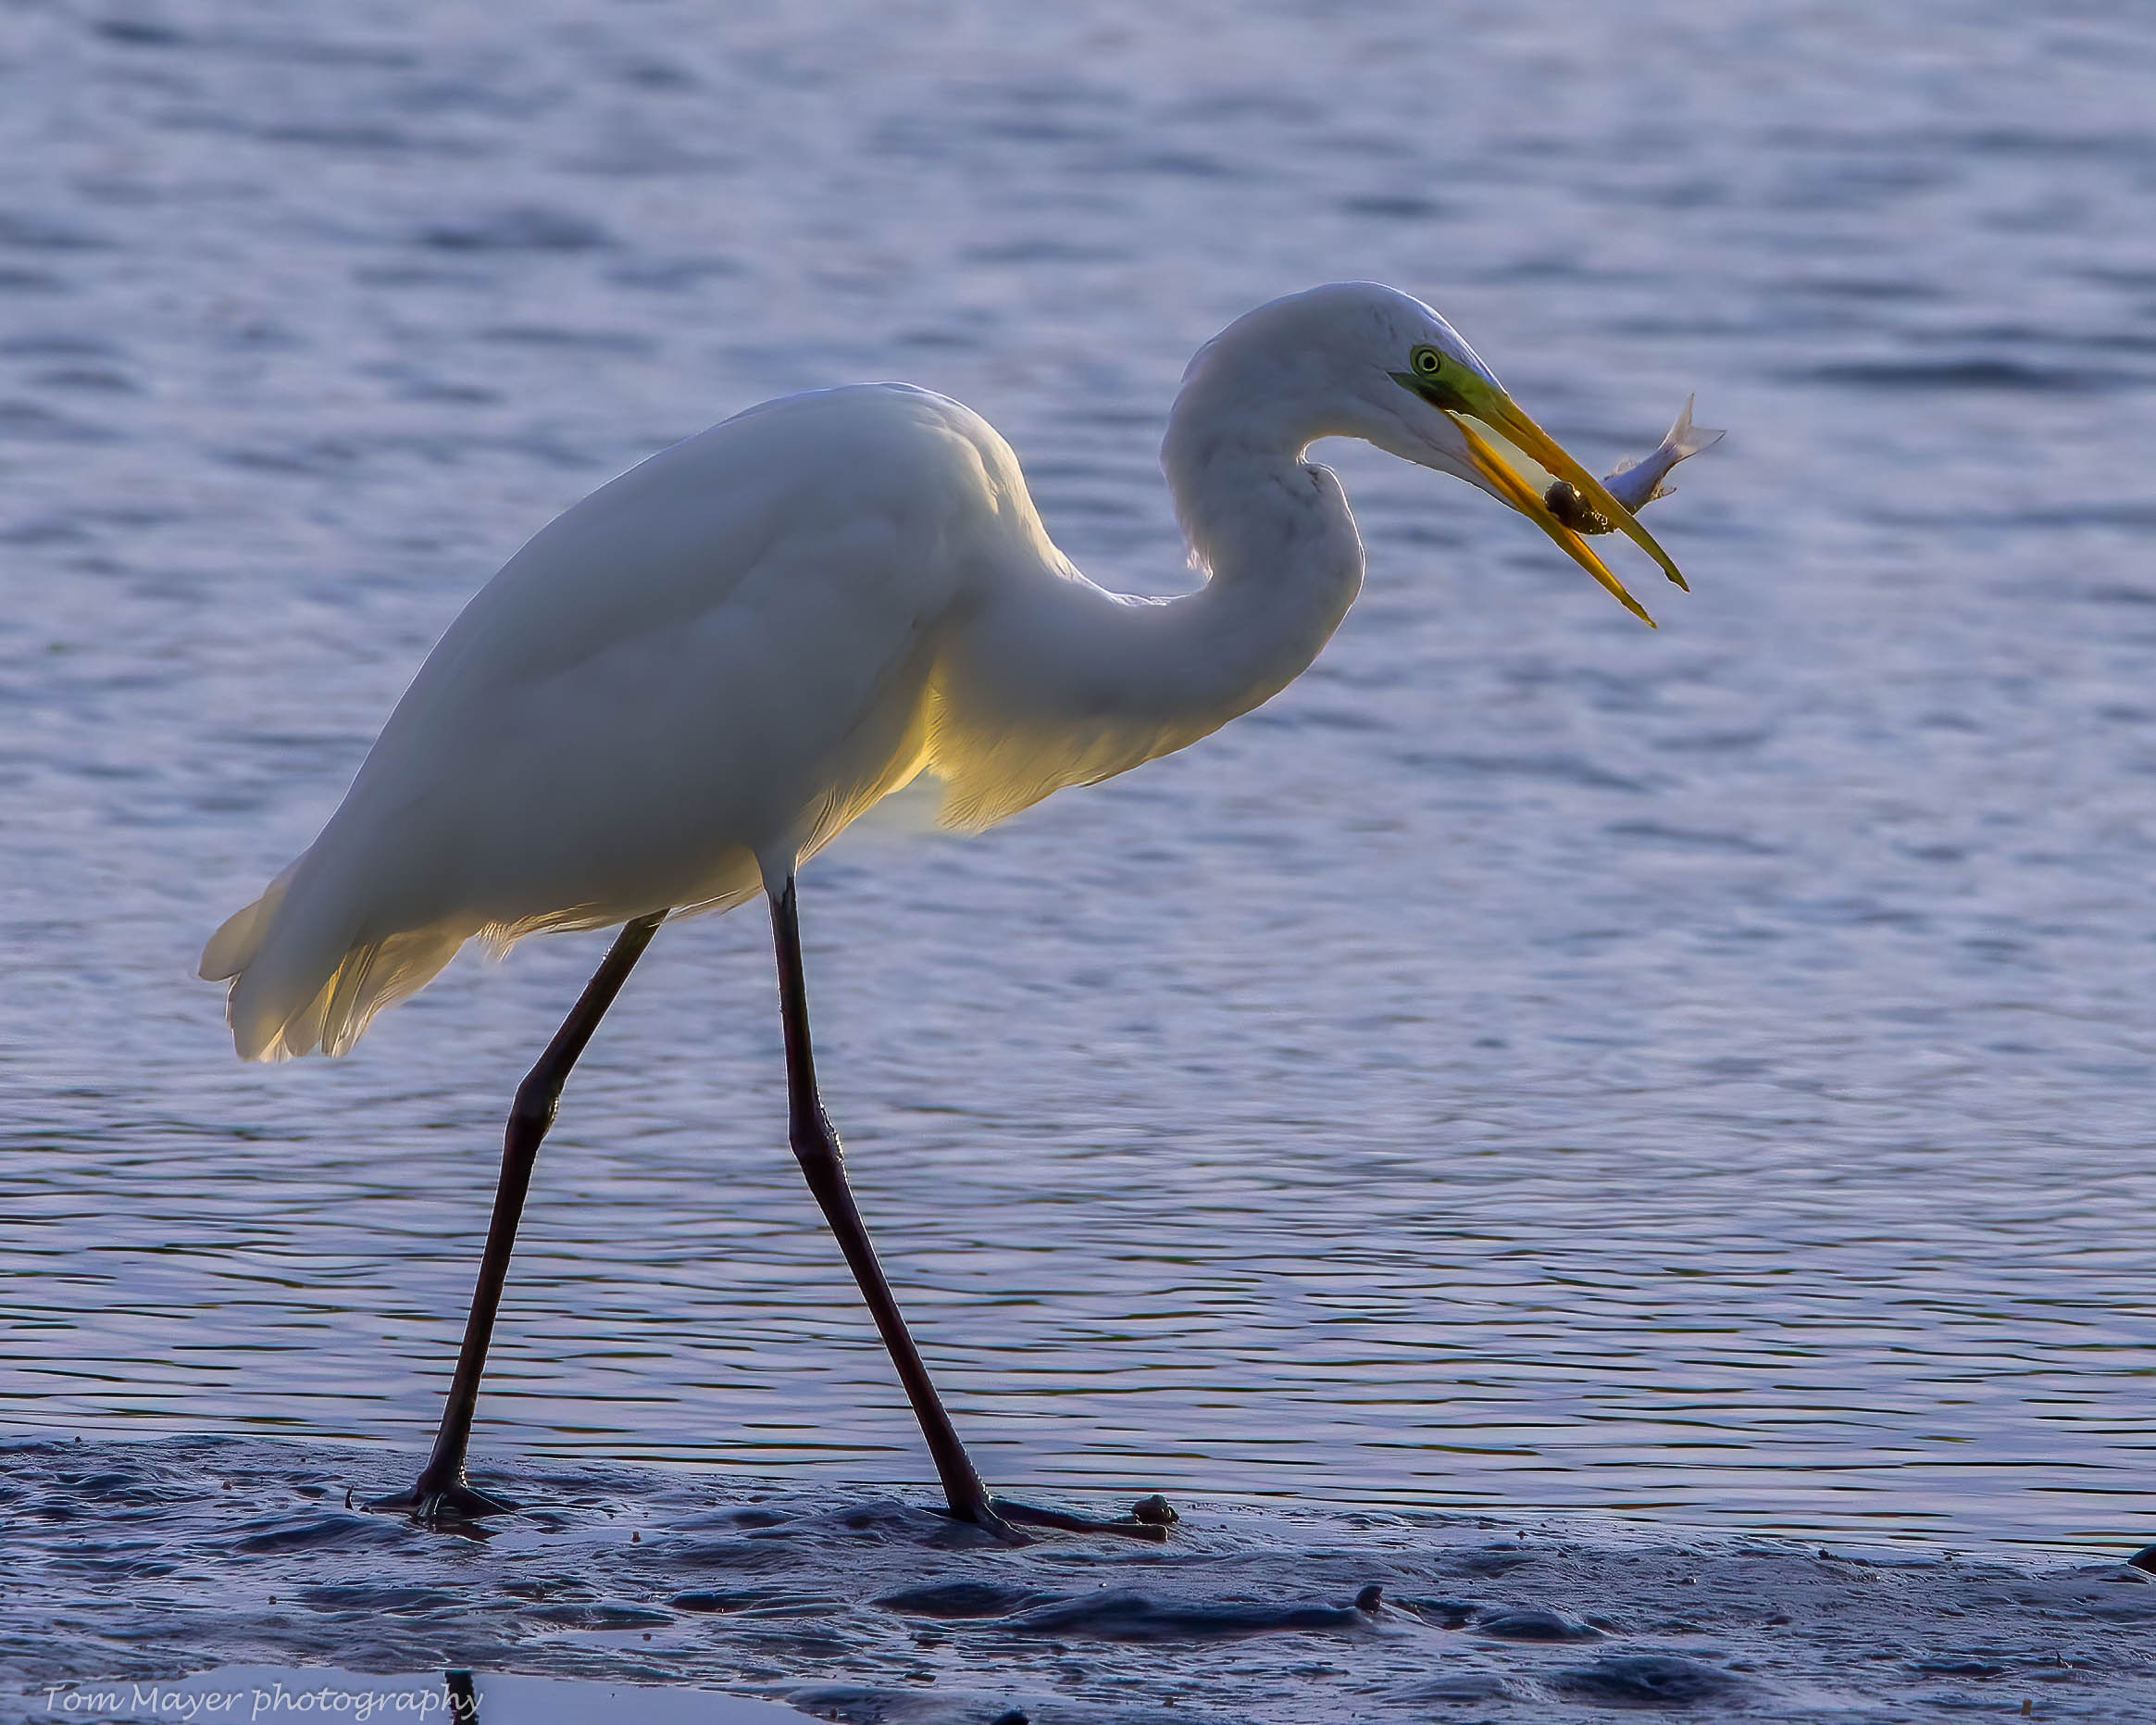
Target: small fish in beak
column 1635, row 482
column 1461, row 387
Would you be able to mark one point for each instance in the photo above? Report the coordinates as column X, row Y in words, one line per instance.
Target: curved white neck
column 1060, row 683
column 1273, row 534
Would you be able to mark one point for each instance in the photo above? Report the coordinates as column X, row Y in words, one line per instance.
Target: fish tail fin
column 1686, row 439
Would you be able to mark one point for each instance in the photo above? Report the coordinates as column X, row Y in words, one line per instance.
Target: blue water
column 1533, row 1064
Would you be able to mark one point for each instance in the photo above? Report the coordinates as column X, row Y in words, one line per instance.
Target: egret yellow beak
column 1467, row 399
column 1524, row 497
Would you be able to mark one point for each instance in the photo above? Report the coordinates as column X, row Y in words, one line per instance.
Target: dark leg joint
column 530, row 1117
column 825, row 1170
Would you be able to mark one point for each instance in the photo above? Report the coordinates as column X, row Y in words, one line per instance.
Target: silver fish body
column 1634, row 484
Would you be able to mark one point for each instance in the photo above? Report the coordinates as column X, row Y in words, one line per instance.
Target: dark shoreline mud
column 140, row 1559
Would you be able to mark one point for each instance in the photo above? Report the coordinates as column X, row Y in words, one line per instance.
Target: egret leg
column 442, row 1491
column 816, row 1146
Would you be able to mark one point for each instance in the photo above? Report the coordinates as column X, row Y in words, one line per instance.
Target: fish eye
column 1426, row 362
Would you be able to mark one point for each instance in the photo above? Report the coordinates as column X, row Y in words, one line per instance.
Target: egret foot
column 1148, row 1520
column 445, row 1504
column 984, row 1516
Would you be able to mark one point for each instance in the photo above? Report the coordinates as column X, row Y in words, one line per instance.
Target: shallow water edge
column 150, row 1559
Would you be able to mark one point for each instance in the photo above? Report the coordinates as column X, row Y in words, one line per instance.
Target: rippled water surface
column 1532, row 1064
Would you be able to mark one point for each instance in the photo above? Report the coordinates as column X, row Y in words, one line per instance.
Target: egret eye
column 1426, row 362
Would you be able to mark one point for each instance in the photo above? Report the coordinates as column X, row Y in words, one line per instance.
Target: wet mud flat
column 148, row 1560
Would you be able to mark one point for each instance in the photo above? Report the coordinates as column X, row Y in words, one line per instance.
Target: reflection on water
column 1533, row 1062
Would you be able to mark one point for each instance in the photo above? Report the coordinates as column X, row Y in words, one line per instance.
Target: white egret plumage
column 688, row 683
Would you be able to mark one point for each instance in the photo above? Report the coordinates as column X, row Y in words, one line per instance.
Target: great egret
column 690, row 683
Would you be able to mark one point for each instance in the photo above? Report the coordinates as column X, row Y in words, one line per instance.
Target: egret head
column 1356, row 359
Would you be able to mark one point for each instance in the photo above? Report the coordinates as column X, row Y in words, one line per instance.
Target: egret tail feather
column 232, row 949
column 303, row 984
